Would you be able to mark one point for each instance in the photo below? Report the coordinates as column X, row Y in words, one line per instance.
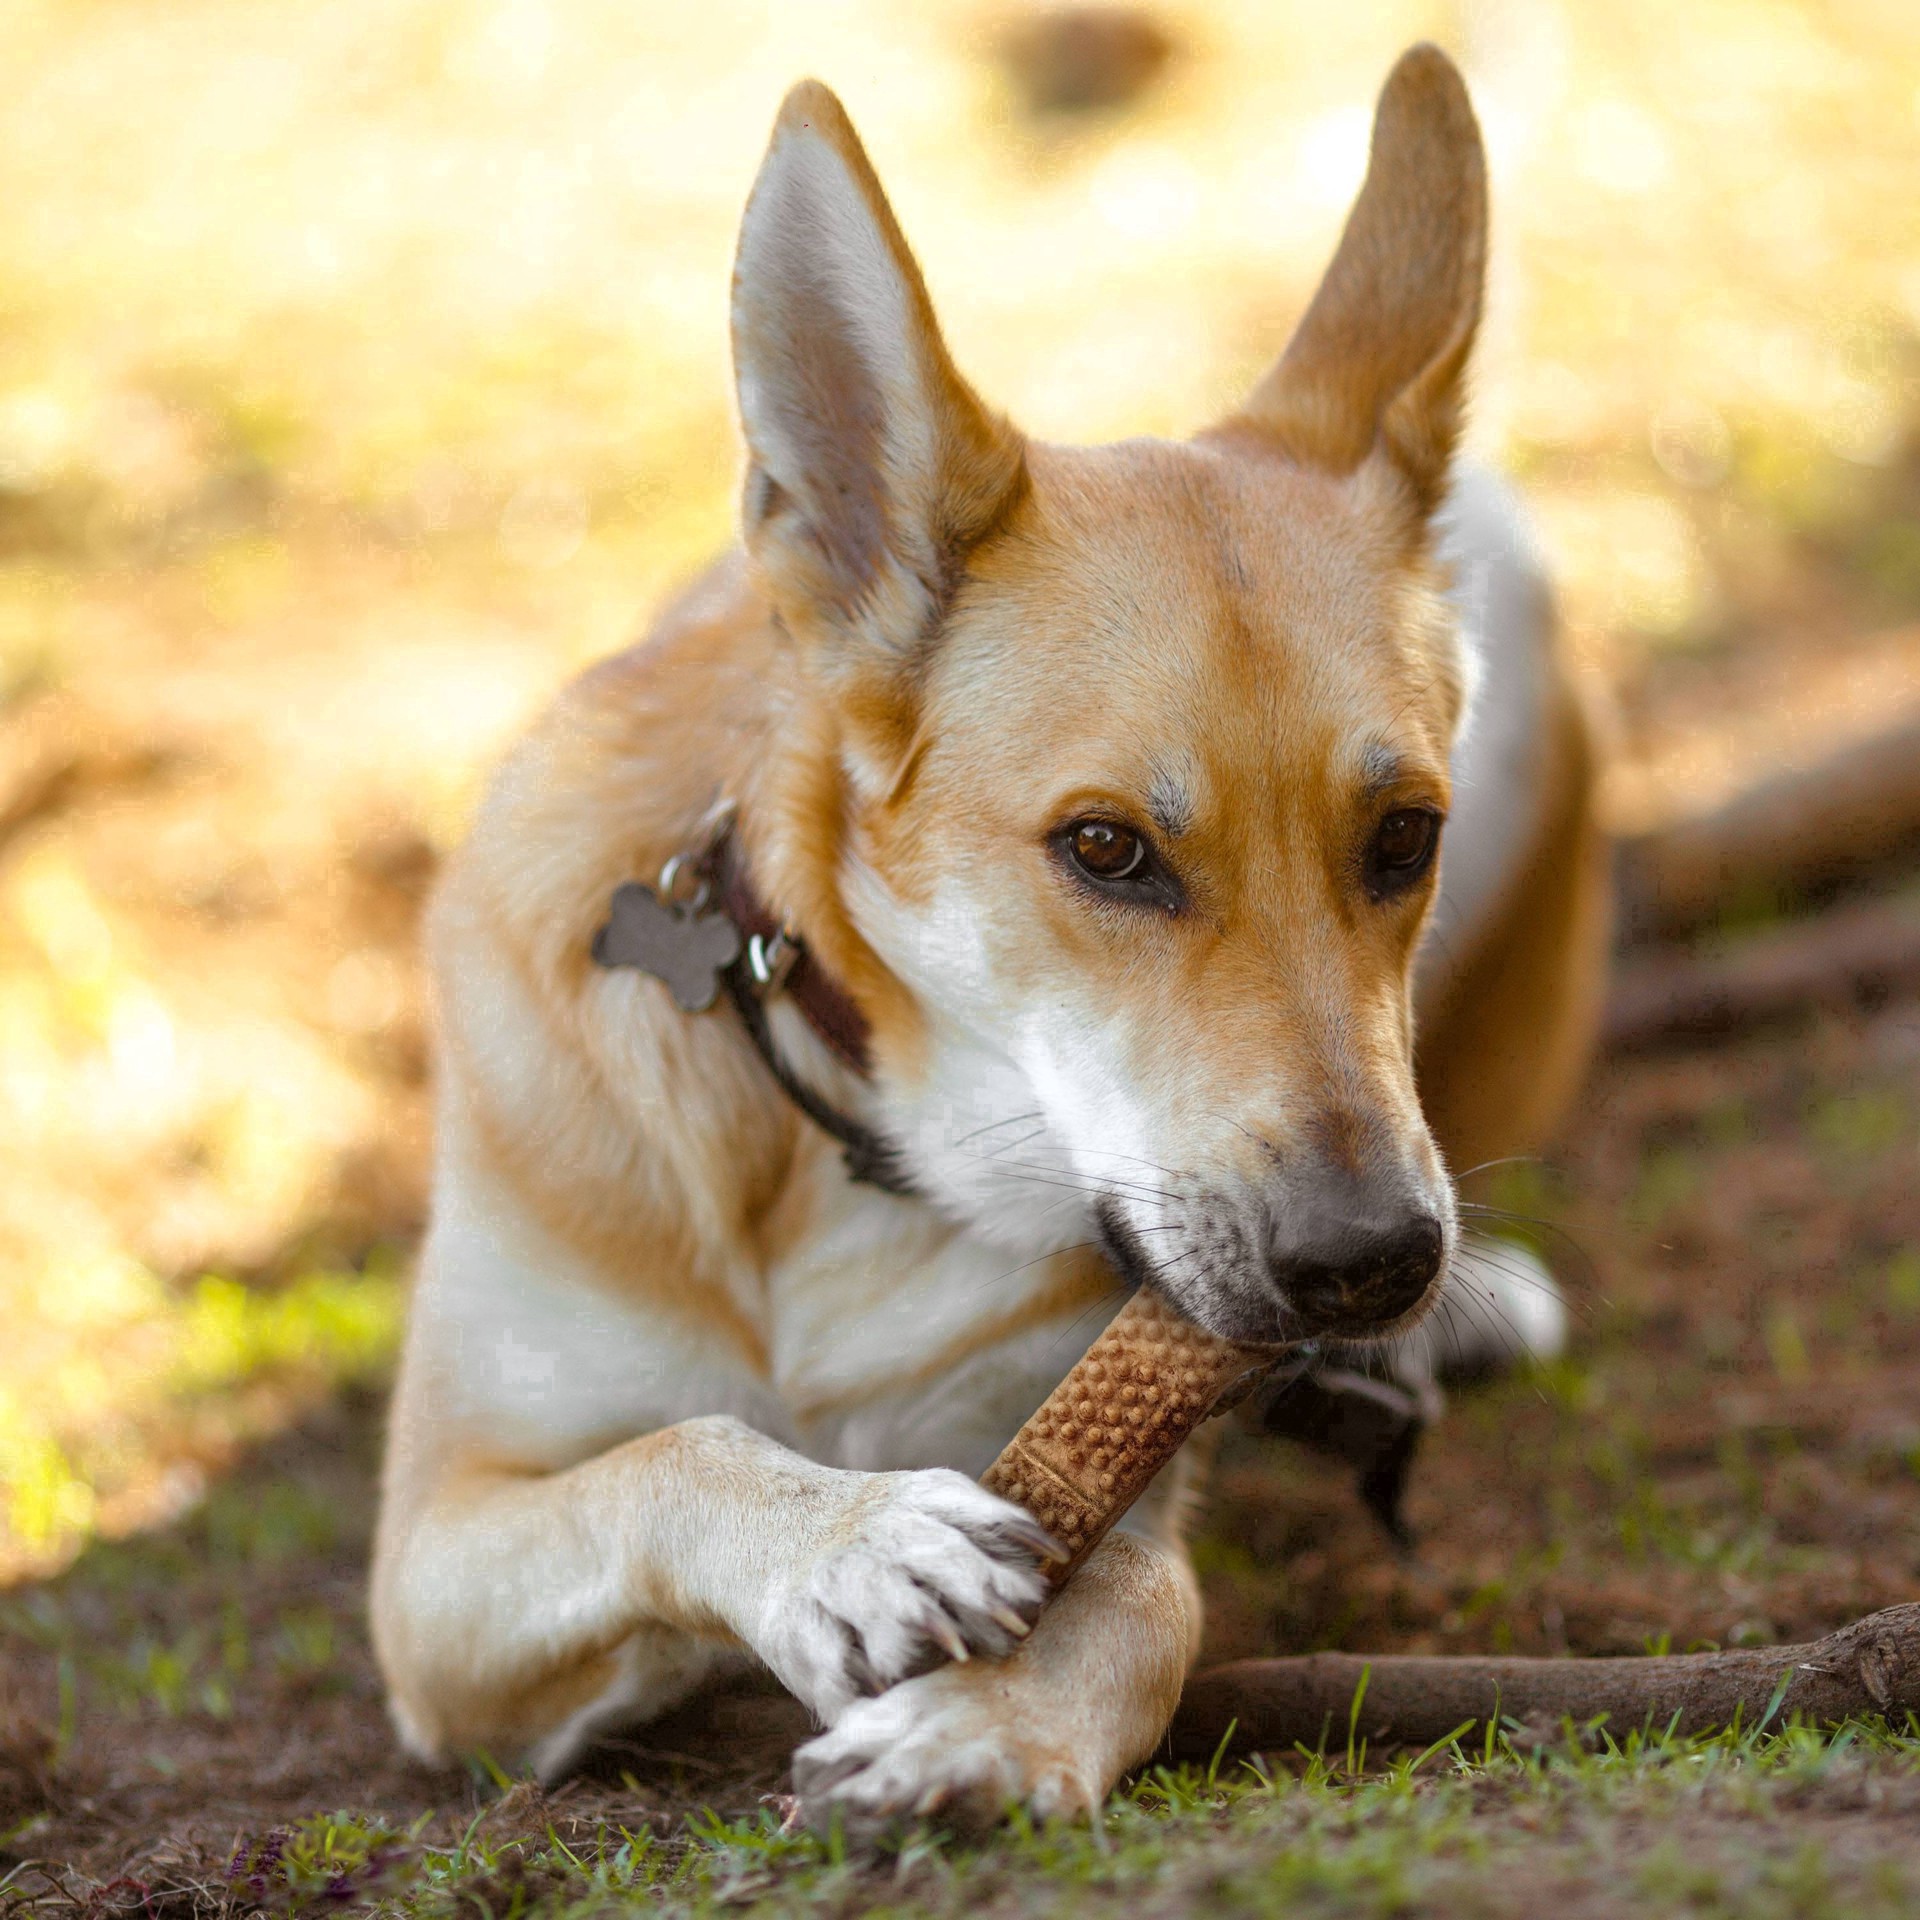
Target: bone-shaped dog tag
column 687, row 948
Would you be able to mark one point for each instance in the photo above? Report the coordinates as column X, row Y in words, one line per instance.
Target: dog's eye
column 1115, row 862
column 1402, row 848
column 1106, row 851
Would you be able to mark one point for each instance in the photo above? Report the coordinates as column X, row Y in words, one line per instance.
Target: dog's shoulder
column 645, row 1140
column 623, row 768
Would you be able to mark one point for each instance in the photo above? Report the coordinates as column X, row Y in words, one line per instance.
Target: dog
column 1011, row 877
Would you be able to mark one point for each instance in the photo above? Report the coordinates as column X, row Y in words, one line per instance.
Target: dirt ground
column 1730, row 1455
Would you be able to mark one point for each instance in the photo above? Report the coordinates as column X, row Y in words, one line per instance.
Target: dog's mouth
column 1255, row 1317
column 1121, row 1243
column 1378, row 1298
column 1363, row 1328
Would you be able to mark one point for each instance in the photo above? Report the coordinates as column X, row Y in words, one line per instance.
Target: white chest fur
column 899, row 1339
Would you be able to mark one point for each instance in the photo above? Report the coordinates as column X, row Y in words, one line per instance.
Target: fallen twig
column 1847, row 955
column 1844, row 818
column 1872, row 1666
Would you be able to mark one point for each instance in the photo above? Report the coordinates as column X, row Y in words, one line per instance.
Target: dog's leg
column 1051, row 1727
column 523, row 1610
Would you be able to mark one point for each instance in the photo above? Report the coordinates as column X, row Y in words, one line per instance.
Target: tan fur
column 1378, row 359
column 1503, row 1053
column 676, row 1391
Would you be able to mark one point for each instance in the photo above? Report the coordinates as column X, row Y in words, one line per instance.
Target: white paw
column 918, row 1567
column 950, row 1748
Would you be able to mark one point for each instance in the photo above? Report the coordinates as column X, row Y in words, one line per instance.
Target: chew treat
column 1090, row 1449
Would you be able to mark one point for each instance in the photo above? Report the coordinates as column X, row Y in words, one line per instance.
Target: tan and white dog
column 1103, row 788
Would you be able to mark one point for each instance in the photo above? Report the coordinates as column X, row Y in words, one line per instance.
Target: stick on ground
column 1414, row 1700
column 1847, row 955
column 1842, row 818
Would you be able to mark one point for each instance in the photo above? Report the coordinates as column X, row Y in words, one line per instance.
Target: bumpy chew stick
column 1090, row 1449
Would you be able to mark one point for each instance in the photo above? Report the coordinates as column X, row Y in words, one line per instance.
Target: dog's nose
column 1360, row 1278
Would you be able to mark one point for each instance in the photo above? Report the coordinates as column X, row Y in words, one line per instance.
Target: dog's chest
column 898, row 1340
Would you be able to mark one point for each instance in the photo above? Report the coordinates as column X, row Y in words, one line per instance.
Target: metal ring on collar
column 771, row 960
column 683, row 885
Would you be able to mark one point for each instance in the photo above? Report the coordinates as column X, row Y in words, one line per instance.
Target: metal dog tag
column 688, row 947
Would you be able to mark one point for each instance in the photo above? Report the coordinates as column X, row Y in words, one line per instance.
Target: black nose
column 1359, row 1278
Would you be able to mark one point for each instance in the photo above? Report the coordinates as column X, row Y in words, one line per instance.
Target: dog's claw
column 1040, row 1542
column 1011, row 1621
column 787, row 1806
column 944, row 1635
column 932, row 1800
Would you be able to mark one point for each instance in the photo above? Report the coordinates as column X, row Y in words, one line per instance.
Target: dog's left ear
column 1379, row 360
column 873, row 466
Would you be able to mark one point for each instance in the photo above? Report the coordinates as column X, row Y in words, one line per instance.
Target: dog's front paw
column 949, row 1747
column 919, row 1566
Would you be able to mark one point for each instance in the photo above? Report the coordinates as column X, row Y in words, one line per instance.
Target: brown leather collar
column 822, row 1002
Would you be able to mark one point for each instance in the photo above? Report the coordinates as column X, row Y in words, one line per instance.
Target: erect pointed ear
column 1380, row 358
column 873, row 467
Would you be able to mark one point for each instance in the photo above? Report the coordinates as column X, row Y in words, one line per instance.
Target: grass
column 1303, row 1834
column 218, row 1363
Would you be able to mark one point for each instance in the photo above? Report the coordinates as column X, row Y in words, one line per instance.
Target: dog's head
column 1116, row 784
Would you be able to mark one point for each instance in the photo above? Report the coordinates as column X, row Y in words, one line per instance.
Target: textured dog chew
column 1090, row 1449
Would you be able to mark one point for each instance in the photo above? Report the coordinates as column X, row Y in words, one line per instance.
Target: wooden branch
column 1846, row 816
column 1413, row 1700
column 1847, row 955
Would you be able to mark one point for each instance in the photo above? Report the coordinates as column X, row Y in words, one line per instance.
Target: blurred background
column 363, row 372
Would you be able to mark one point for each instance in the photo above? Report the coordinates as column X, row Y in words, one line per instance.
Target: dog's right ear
column 873, row 467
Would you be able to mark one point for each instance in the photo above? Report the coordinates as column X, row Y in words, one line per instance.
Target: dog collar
column 704, row 931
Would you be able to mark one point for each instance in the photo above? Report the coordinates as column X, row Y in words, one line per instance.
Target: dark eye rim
column 1148, row 882
column 1386, row 879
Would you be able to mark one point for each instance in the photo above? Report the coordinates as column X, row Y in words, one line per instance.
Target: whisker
column 1484, row 1302
column 1506, row 1160
column 1089, row 1183
column 1069, row 1185
column 1038, row 1260
column 1112, row 1293
column 1259, row 1139
column 1011, row 1146
column 1486, row 1252
column 1568, row 1242
column 1516, row 1269
column 994, row 1126
column 1114, row 1153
